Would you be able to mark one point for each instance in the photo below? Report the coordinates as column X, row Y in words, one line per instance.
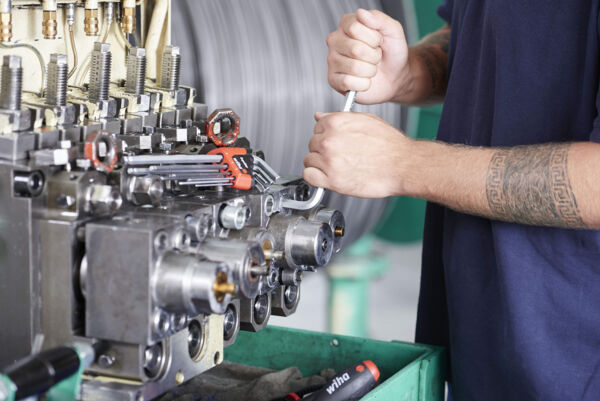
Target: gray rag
column 233, row 382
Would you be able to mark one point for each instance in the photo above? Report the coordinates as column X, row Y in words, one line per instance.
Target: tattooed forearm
column 530, row 185
column 433, row 51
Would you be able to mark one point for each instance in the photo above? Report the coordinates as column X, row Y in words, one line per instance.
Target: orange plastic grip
column 239, row 165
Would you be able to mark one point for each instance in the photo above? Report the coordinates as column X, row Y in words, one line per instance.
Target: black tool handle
column 350, row 384
column 38, row 373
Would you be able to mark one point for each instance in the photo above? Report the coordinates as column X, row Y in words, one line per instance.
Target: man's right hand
column 368, row 53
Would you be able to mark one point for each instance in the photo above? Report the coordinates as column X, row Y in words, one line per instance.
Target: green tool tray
column 409, row 372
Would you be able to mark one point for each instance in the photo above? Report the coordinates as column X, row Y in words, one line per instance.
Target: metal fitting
column 136, row 71
column 100, row 72
column 185, row 284
column 5, row 21
column 49, row 24
column 109, row 12
column 128, row 16
column 144, row 190
column 234, row 217
column 11, row 82
column 56, row 90
column 102, row 199
column 70, row 8
column 170, row 68
column 28, row 184
column 90, row 23
column 198, row 226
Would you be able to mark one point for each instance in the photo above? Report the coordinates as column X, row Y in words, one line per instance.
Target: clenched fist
column 368, row 53
column 357, row 154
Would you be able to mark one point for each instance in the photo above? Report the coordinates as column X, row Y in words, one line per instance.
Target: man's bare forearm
column 428, row 64
column 556, row 185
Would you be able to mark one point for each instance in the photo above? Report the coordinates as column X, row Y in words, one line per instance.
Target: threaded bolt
column 58, row 69
column 11, row 82
column 171, row 64
column 100, row 72
column 136, row 71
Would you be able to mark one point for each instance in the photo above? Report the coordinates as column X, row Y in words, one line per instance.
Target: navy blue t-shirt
column 518, row 306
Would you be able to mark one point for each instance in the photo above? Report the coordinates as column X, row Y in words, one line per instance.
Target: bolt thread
column 56, row 92
column 11, row 82
column 136, row 74
column 170, row 70
column 99, row 75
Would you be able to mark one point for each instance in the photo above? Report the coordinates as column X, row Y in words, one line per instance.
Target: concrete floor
column 392, row 302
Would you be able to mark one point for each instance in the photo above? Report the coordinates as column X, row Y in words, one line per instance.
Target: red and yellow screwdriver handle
column 239, row 165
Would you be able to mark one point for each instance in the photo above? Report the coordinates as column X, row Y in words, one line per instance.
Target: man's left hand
column 357, row 154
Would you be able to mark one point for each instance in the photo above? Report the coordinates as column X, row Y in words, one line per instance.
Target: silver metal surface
column 136, row 71
column 11, row 82
column 170, row 68
column 56, row 92
column 349, row 101
column 100, row 72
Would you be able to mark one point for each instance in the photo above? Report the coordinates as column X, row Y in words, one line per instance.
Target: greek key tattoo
column 530, row 185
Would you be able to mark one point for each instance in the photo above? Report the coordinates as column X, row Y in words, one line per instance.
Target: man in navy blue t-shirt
column 511, row 255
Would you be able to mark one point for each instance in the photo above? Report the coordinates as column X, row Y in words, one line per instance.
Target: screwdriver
column 350, row 99
column 350, row 384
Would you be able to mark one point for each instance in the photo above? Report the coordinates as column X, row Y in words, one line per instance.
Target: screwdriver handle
column 350, row 384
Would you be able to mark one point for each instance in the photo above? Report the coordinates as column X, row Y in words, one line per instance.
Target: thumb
column 381, row 22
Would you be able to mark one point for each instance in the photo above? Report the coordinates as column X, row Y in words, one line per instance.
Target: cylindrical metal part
column 136, row 71
column 198, row 226
column 304, row 242
column 183, row 283
column 241, row 256
column 231, row 323
column 5, row 21
column 144, row 190
column 171, row 159
column 100, row 72
column 128, row 16
column 336, row 221
column 91, row 18
column 170, row 68
column 56, row 91
column 255, row 312
column 49, row 24
column 109, row 12
column 70, row 14
column 28, row 184
column 311, row 244
column 234, row 217
column 11, row 83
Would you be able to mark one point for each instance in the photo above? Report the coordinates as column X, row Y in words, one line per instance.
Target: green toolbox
column 409, row 372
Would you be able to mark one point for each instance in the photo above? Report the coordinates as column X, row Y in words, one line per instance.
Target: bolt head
column 11, row 61
column 137, row 51
column 60, row 59
column 102, row 47
column 172, row 50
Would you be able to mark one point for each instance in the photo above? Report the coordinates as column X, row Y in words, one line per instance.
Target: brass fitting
column 128, row 20
column 5, row 27
column 90, row 23
column 49, row 25
column 339, row 231
column 222, row 287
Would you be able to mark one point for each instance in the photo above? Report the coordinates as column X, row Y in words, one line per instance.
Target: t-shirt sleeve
column 445, row 11
column 595, row 136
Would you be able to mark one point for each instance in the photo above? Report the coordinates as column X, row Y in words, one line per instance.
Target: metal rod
column 349, row 103
column 184, row 169
column 171, row 159
column 200, row 182
column 171, row 177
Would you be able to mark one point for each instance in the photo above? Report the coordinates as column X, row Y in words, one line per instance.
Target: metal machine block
column 15, row 146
